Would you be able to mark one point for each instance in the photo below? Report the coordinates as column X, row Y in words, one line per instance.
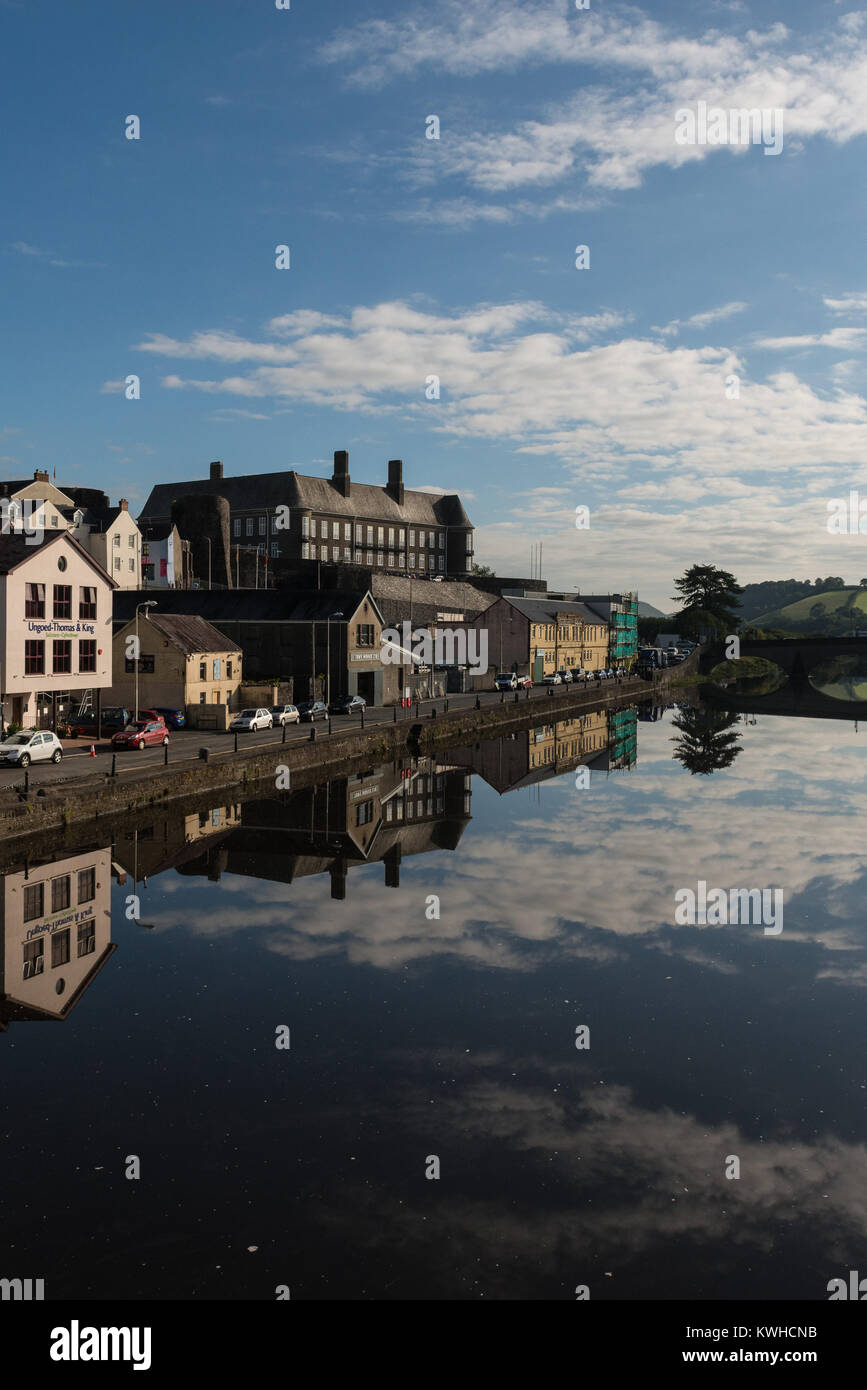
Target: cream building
column 109, row 534
column 184, row 660
column 55, row 629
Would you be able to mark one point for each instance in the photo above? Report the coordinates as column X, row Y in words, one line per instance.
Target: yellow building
column 183, row 661
column 571, row 637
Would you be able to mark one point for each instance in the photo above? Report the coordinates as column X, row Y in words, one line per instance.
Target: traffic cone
column 92, row 751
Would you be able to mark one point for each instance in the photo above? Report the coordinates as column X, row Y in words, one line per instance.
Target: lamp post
column 328, row 655
column 151, row 603
column 208, row 539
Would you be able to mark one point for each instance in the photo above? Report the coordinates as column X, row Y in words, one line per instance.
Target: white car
column 31, row 746
column 250, row 719
column 552, row 680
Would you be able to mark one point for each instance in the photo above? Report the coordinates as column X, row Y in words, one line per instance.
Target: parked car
column 31, row 746
column 552, row 680
column 525, row 682
column 565, row 675
column 285, row 714
column 312, row 709
column 349, row 704
column 140, row 733
column 113, row 717
column 250, row 719
column 601, row 674
column 505, row 680
column 174, row 718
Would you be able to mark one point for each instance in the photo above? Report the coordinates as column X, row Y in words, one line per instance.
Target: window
column 401, row 560
column 391, row 536
column 274, row 527
column 364, row 635
column 412, row 558
column 430, row 539
column 469, row 542
column 228, row 670
column 380, row 535
column 430, row 562
column 263, row 525
column 346, row 554
column 347, row 530
column 215, row 669
column 313, row 527
column 203, row 670
column 275, row 549
column 87, row 603
column 335, row 553
column 370, row 535
column 147, row 572
column 115, row 540
column 364, row 813
column 34, row 600
column 145, row 664
column 442, row 562
column 54, row 519
column 86, row 885
column 201, row 697
column 401, row 536
column 34, row 957
column 249, row 526
column 305, row 550
column 86, row 938
column 87, row 655
column 34, row 658
column 34, row 894
column 117, row 562
column 62, row 660
column 441, row 540
column 236, row 526
column 60, row 893
column 63, row 600
column 370, row 557
column 391, row 559
column 305, row 526
column 358, row 559
column 60, row 948
column 379, row 557
column 412, row 537
column 131, row 541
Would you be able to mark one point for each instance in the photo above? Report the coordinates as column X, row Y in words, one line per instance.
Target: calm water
column 412, row 1037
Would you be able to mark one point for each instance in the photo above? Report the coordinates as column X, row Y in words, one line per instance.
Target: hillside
column 835, row 612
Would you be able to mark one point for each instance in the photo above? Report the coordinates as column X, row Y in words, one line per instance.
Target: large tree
column 709, row 597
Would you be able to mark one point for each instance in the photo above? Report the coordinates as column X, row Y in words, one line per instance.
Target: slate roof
column 291, row 489
column 189, row 633
column 546, row 610
column 242, row 605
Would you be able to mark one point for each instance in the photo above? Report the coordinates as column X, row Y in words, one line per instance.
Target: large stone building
column 290, row 517
column 55, row 629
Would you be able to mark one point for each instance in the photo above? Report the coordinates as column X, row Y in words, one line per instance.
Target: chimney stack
column 340, row 478
column 40, row 477
column 395, row 480
column 123, row 504
column 216, row 472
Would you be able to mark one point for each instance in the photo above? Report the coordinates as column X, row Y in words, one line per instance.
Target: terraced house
column 537, row 636
column 293, row 517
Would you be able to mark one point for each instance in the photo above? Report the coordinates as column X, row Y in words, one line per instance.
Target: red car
column 140, row 733
column 525, row 682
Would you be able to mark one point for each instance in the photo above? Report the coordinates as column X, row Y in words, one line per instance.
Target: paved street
column 184, row 744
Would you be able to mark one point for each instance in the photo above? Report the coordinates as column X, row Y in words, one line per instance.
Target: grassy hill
column 834, row 613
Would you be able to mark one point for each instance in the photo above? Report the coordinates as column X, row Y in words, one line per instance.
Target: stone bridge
column 797, row 657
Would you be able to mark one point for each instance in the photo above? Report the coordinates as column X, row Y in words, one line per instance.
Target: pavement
column 184, row 744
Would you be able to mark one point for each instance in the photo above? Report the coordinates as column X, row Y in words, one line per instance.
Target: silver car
column 31, row 746
column 250, row 719
column 285, row 714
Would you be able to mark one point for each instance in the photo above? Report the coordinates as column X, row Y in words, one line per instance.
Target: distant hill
column 773, row 594
column 647, row 610
column 833, row 613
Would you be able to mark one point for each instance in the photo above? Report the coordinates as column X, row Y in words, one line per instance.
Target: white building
column 109, row 534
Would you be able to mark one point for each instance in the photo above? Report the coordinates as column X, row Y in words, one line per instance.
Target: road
column 184, row 744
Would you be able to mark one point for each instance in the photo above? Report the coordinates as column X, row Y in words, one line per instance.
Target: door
column 366, row 685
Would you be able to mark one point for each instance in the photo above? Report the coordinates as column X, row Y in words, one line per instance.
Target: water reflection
column 454, row 1034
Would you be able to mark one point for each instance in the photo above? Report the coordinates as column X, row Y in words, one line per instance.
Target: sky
column 699, row 386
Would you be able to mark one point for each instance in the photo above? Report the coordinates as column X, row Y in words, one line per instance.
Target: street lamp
column 151, row 603
column 208, row 539
column 328, row 655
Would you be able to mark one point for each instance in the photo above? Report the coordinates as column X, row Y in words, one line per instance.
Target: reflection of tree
column 706, row 745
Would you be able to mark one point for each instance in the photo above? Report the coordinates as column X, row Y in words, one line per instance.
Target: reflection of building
column 604, row 740
column 55, row 935
column 379, row 816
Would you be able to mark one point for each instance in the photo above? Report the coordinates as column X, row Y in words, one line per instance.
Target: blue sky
column 560, row 387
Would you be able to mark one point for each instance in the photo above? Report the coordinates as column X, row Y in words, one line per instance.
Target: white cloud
column 849, row 339
column 852, row 303
column 703, row 320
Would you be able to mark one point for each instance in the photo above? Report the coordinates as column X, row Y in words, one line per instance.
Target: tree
column 709, row 597
column 484, row 571
column 706, row 744
column 862, row 584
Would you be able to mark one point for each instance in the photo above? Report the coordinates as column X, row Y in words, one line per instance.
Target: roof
column 35, row 488
column 190, row 633
column 546, row 610
column 245, row 605
column 17, row 549
column 291, row 489
column 98, row 518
